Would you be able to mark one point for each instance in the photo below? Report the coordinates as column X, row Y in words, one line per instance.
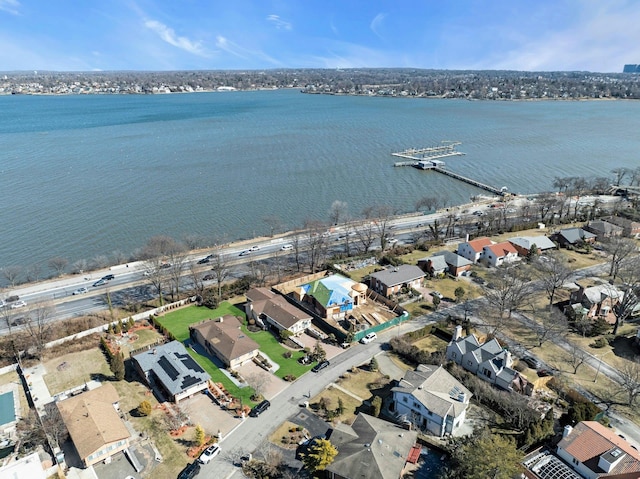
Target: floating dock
column 430, row 159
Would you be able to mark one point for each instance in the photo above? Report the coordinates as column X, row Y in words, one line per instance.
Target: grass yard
column 177, row 322
column 288, row 435
column 362, row 382
column 431, row 344
column 74, row 369
column 332, row 395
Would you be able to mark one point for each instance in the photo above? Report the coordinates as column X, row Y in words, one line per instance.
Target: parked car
column 209, row 453
column 165, row 265
column 100, row 282
column 108, row 277
column 204, row 260
column 437, row 294
column 320, row 366
column 260, row 408
column 190, row 471
column 18, row 304
column 82, row 290
column 368, row 338
column 532, row 362
column 13, row 298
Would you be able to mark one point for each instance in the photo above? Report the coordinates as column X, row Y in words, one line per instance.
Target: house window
column 487, row 372
column 575, row 461
column 604, row 311
column 454, row 354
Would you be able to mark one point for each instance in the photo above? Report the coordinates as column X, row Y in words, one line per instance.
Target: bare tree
column 220, row 268
column 274, row 223
column 38, row 324
column 383, row 215
column 259, row 271
column 550, row 324
column 366, row 235
column 338, row 211
column 553, row 272
column 630, row 384
column 195, row 276
column 316, row 249
column 58, row 264
column 629, row 273
column 429, row 203
column 118, row 257
column 178, row 260
column 259, row 381
column 79, row 267
column 507, row 289
column 579, row 187
column 576, row 357
column 619, row 174
column 34, row 272
column 619, row 249
column 159, row 252
column 12, row 274
column 157, row 275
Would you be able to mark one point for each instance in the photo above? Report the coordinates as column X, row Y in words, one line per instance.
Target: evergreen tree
column 200, row 436
column 319, row 455
column 376, row 404
column 117, row 366
column 144, row 409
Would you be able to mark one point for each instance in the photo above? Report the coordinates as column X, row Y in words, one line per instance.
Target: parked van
column 286, row 247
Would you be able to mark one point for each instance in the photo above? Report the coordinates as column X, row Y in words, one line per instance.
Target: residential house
column 271, row 308
column 499, row 254
column 488, row 360
column 603, row 229
column 595, row 301
column 432, row 400
column 171, row 371
column 370, row 447
column 597, row 452
column 223, row 338
column 445, row 262
column 394, row 279
column 94, row 424
column 523, row 244
column 26, row 467
column 333, row 296
column 630, row 229
column 574, row 237
column 472, row 250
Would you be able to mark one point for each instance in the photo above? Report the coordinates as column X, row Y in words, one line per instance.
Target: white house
column 432, row 400
column 472, row 250
column 499, row 254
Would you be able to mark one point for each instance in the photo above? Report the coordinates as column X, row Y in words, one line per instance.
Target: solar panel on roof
column 168, row 368
column 189, row 381
column 189, row 363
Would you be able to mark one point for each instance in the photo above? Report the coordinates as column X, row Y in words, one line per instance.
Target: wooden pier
column 430, row 159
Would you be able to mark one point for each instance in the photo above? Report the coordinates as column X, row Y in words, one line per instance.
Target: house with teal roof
column 332, row 296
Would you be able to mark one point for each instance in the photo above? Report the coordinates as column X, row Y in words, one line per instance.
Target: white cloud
column 234, row 49
column 279, row 23
column 603, row 39
column 376, row 23
column 10, row 6
column 169, row 35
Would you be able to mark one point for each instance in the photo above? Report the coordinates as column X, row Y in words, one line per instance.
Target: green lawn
column 178, row 321
column 272, row 348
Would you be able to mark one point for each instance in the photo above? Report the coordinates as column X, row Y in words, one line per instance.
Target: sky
column 530, row 35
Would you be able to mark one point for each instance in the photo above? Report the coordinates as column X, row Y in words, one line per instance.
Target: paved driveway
column 203, row 411
column 271, row 385
column 310, row 343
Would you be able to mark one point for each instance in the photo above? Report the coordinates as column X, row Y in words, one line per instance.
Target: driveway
column 203, row 411
column 310, row 342
column 270, row 384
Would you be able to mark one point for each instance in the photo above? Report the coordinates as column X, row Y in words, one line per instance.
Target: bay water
column 82, row 176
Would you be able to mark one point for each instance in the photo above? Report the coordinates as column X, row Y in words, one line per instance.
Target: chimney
column 155, row 351
column 507, row 358
column 458, row 333
column 567, row 431
column 466, row 238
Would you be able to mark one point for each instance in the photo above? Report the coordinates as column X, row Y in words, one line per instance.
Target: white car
column 82, row 290
column 437, row 294
column 209, row 453
column 368, row 338
column 286, row 247
column 18, row 304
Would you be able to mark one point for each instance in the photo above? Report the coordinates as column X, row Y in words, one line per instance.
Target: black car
column 190, row 471
column 204, row 260
column 532, row 362
column 321, row 365
column 108, row 277
column 260, row 408
column 208, row 277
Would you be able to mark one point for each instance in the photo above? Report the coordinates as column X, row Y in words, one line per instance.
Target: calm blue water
column 86, row 175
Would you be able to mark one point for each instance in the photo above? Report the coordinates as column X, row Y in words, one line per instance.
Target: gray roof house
column 432, row 400
column 274, row 309
column 445, row 262
column 171, row 369
column 391, row 280
column 524, row 243
column 603, row 229
column 488, row 360
column 573, row 236
column 371, row 448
